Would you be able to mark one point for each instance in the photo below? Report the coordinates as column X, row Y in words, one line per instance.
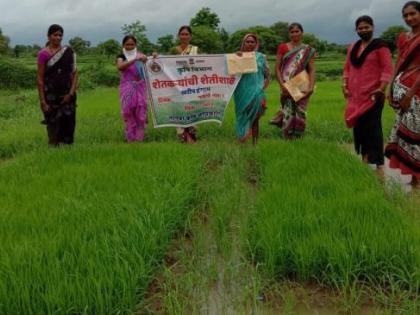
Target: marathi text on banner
column 188, row 90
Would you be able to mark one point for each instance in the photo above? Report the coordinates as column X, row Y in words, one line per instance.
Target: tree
column 4, row 43
column 269, row 41
column 165, row 43
column 205, row 17
column 391, row 34
column 281, row 29
column 224, row 37
column 18, row 50
column 315, row 42
column 79, row 45
column 138, row 31
column 109, row 48
column 207, row 40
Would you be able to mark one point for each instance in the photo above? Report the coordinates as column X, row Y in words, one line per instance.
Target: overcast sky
column 26, row 21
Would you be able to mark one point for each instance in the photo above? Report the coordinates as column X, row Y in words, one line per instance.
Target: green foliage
column 207, row 39
column 281, row 29
column 205, row 17
column 390, row 35
column 109, row 48
column 79, row 45
column 269, row 41
column 165, row 43
column 138, row 30
column 98, row 74
column 321, row 215
column 4, row 43
column 14, row 75
column 90, row 226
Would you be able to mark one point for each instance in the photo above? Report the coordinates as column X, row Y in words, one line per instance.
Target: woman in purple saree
column 133, row 96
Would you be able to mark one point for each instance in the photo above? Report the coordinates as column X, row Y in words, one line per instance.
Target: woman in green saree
column 249, row 96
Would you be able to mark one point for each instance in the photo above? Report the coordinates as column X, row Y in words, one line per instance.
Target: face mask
column 365, row 35
column 130, row 54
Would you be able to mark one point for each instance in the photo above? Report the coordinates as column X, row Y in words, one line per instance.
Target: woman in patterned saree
column 57, row 82
column 132, row 90
column 403, row 149
column 293, row 58
column 249, row 95
column 188, row 134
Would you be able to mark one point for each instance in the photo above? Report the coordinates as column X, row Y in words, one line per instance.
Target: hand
column 239, row 53
column 45, row 107
column 346, row 91
column 309, row 92
column 141, row 57
column 266, row 83
column 66, row 99
column 377, row 95
column 405, row 102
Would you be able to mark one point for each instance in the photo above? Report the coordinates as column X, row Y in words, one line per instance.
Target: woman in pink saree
column 133, row 95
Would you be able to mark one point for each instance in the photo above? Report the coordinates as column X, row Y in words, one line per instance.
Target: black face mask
column 365, row 36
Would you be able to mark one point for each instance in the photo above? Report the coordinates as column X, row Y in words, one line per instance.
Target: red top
column 362, row 81
column 282, row 49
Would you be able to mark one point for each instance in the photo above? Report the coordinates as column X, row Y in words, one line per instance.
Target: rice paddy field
column 105, row 227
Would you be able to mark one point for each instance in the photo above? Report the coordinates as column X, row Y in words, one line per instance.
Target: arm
column 311, row 72
column 40, row 82
column 346, row 74
column 266, row 73
column 123, row 65
column 385, row 62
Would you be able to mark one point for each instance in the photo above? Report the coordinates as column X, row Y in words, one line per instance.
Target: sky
column 27, row 21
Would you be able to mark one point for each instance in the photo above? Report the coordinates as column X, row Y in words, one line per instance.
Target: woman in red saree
column 403, row 149
column 293, row 58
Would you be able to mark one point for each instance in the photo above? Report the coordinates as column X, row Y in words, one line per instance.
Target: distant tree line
column 207, row 34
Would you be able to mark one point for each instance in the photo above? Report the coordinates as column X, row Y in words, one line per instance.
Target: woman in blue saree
column 249, row 96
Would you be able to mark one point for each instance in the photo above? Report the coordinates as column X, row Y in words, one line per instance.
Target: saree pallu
column 292, row 116
column 403, row 149
column 58, row 79
column 249, row 96
column 133, row 101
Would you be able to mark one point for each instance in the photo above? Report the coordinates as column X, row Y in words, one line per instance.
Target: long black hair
column 55, row 28
column 414, row 4
column 127, row 38
column 295, row 24
column 364, row 18
column 185, row 27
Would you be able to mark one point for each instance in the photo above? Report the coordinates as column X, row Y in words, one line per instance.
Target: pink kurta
column 363, row 81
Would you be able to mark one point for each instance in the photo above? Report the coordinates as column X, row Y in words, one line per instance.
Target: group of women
column 367, row 73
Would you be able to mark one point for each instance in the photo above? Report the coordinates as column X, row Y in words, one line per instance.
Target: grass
column 322, row 216
column 82, row 229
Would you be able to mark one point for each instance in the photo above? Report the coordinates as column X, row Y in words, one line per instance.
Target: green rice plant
column 82, row 229
column 321, row 215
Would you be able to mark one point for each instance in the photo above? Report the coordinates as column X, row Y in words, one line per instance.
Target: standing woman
column 403, row 148
column 367, row 72
column 57, row 83
column 188, row 134
column 249, row 95
column 293, row 58
column 132, row 89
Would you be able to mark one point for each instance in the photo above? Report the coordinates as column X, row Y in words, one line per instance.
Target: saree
column 292, row 116
column 133, row 101
column 58, row 79
column 250, row 99
column 403, row 149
